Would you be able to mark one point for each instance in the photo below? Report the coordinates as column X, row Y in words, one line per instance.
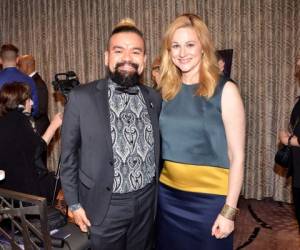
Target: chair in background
column 16, row 208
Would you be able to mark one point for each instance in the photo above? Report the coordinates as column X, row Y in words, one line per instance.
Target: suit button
column 108, row 188
column 111, row 162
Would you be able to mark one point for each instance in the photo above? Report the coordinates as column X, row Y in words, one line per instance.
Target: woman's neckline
column 189, row 84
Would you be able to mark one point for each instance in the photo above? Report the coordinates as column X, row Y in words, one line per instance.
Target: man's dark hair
column 126, row 25
column 220, row 56
column 127, row 28
column 9, row 51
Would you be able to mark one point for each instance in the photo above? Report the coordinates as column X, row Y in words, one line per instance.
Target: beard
column 124, row 78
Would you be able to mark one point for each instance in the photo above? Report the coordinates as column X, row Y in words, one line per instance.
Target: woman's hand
column 57, row 120
column 222, row 227
column 54, row 125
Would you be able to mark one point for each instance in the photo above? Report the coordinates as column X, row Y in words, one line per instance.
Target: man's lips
column 127, row 67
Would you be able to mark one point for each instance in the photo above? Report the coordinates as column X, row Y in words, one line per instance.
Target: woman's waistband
column 195, row 178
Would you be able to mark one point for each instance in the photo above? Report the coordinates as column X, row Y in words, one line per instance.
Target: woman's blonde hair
column 209, row 72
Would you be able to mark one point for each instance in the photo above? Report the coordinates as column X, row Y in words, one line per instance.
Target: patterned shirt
column 132, row 140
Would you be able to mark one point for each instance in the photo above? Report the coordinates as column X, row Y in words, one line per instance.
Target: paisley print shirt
column 132, row 140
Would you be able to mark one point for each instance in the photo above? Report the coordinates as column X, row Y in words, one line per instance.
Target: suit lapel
column 35, row 76
column 101, row 98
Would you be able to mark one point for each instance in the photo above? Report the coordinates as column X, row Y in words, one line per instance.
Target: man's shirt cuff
column 74, row 207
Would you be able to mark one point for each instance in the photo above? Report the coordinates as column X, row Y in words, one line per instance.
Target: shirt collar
column 32, row 74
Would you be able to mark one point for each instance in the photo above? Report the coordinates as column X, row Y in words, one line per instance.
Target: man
column 10, row 73
column 110, row 149
column 221, row 64
column 225, row 69
column 26, row 64
column 155, row 75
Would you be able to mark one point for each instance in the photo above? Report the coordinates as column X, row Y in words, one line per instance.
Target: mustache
column 124, row 79
column 120, row 64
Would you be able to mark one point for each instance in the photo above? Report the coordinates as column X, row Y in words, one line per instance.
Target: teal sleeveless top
column 192, row 128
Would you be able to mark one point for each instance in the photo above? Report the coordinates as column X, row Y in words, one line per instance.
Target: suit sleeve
column 35, row 98
column 42, row 92
column 70, row 149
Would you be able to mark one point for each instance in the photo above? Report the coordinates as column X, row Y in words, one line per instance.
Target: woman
column 203, row 128
column 20, row 146
column 295, row 142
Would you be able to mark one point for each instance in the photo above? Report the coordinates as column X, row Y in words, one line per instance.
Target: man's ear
column 144, row 64
column 106, row 58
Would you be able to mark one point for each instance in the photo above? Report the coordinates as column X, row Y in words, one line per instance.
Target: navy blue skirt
column 185, row 220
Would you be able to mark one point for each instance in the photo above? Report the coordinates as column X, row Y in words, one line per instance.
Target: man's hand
column 222, row 227
column 81, row 220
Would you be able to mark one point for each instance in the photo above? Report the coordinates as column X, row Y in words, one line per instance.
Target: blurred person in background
column 10, row 73
column 294, row 168
column 26, row 64
column 21, row 147
column 155, row 76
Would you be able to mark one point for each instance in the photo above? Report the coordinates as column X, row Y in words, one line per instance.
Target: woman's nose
column 182, row 52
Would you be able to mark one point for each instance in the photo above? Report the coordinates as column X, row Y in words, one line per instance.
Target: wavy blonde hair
column 209, row 72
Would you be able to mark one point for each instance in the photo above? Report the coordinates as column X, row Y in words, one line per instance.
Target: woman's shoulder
column 11, row 117
column 15, row 121
column 223, row 81
column 225, row 85
column 18, row 116
column 10, row 125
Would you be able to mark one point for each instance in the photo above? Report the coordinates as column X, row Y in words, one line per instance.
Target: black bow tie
column 127, row 90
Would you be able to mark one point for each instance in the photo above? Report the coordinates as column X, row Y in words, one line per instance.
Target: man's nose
column 127, row 56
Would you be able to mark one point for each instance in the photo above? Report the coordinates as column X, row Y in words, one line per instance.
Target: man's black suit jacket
column 87, row 168
column 41, row 120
